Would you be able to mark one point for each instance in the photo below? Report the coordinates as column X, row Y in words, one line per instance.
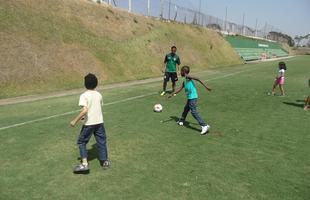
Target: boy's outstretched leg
column 184, row 114
column 193, row 107
column 82, row 142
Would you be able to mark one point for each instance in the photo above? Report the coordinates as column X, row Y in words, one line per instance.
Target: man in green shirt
column 171, row 66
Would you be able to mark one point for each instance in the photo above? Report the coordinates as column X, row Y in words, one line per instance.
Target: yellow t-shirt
column 93, row 101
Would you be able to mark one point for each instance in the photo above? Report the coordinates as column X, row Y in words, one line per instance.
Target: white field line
column 74, row 111
column 112, row 103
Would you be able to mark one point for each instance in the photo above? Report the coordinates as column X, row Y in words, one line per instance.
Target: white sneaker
column 204, row 129
column 180, row 123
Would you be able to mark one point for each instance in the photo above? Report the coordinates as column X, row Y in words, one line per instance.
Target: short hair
column 186, row 69
column 90, row 81
column 173, row 47
column 282, row 65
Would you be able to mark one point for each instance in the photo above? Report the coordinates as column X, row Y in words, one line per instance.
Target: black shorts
column 171, row 75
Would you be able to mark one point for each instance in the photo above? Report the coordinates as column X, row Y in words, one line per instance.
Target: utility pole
column 109, row 2
column 256, row 28
column 169, row 10
column 161, row 9
column 148, row 7
column 243, row 29
column 199, row 12
column 265, row 30
column 225, row 20
column 129, row 5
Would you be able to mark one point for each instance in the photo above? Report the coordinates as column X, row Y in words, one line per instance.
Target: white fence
column 167, row 10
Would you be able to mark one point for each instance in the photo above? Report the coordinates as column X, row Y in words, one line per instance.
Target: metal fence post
column 161, row 9
column 176, row 13
column 169, row 9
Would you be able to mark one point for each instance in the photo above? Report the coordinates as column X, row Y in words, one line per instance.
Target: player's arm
column 164, row 65
column 79, row 116
column 177, row 91
column 197, row 79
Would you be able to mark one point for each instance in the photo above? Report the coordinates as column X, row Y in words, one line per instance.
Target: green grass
column 258, row 147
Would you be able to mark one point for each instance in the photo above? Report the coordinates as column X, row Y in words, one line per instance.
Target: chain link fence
column 167, row 10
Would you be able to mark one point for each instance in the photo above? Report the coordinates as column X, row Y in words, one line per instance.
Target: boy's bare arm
column 176, row 92
column 197, row 79
column 79, row 117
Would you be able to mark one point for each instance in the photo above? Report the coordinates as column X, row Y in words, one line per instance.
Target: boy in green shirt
column 192, row 97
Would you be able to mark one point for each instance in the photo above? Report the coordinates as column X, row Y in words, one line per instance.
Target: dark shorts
column 171, row 75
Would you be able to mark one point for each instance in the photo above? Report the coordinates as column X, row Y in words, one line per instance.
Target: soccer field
column 258, row 146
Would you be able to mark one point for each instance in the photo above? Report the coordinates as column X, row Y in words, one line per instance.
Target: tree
column 298, row 40
column 302, row 39
column 214, row 26
column 281, row 37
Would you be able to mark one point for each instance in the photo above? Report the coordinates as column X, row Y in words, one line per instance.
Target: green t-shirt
column 171, row 61
column 190, row 89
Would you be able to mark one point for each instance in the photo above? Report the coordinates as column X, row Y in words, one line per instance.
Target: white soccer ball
column 158, row 108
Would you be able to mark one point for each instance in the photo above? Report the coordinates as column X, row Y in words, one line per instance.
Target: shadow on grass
column 186, row 124
column 92, row 153
column 298, row 103
column 82, row 172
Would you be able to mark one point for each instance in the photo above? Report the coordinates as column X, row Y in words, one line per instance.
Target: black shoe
column 105, row 164
column 81, row 169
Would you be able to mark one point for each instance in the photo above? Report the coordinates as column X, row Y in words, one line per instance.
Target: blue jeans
column 99, row 132
column 191, row 105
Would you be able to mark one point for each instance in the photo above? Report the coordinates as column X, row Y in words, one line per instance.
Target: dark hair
column 90, row 81
column 185, row 69
column 173, row 47
column 282, row 65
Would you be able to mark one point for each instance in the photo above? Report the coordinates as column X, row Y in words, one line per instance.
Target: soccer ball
column 158, row 108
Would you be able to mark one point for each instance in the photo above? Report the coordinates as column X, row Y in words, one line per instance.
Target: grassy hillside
column 50, row 45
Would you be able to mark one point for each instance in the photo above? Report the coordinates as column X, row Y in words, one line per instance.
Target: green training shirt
column 171, row 61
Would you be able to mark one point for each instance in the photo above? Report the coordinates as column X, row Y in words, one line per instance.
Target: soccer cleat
column 205, row 129
column 106, row 164
column 81, row 169
column 163, row 93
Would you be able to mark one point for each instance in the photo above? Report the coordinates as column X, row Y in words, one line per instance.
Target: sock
column 84, row 161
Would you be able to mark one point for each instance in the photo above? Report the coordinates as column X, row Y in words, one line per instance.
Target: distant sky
column 290, row 16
